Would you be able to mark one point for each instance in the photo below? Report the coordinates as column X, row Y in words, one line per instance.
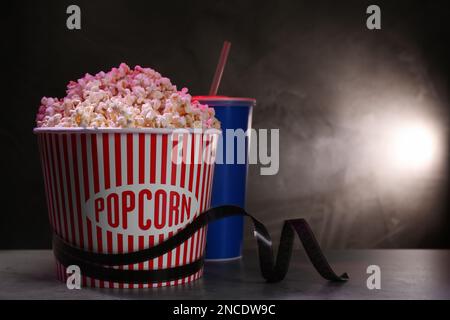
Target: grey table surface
column 405, row 274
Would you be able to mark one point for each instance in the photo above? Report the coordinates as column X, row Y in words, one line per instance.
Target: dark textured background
column 318, row 74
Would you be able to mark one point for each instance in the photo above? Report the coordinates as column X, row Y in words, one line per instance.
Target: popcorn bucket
column 123, row 190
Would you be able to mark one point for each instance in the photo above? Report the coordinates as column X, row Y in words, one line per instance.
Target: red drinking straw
column 219, row 70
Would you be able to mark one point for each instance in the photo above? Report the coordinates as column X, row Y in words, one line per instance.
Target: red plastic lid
column 225, row 101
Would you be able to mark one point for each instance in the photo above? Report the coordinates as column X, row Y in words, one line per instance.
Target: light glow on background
column 412, row 146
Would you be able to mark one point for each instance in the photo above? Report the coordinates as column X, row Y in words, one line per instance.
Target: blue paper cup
column 224, row 237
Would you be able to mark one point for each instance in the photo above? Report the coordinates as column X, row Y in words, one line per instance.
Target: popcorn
column 125, row 98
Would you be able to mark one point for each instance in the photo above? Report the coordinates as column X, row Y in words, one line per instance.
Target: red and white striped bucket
column 122, row 190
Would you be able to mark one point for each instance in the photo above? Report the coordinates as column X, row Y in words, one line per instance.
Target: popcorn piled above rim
column 125, row 98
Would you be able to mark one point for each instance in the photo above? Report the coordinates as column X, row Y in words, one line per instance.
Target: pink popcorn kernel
column 125, row 98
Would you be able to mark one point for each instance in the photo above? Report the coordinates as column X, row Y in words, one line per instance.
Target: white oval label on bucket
column 141, row 209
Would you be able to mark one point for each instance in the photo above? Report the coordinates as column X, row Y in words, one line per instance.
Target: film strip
column 101, row 265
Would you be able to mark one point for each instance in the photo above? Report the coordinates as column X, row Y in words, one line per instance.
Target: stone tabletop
column 405, row 274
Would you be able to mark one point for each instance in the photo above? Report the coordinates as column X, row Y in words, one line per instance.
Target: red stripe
column 47, row 179
column 199, row 165
column 120, row 250
column 100, row 248
column 164, row 159
column 57, row 225
column 69, row 188
column 177, row 253
column 182, row 182
column 86, row 193
column 191, row 171
column 130, row 249
column 90, row 244
column 191, row 254
column 61, row 190
column 173, row 175
column 44, row 176
column 77, row 190
column 95, row 163
column 118, row 159
column 85, row 167
column 184, row 159
column 109, row 242
column 197, row 185
column 185, row 253
column 118, row 166
column 141, row 264
column 200, row 169
column 151, row 242
column 44, row 173
column 106, row 165
column 107, row 183
column 205, row 233
column 53, row 185
column 205, row 229
column 89, row 234
column 141, row 158
column 95, row 172
column 160, row 258
column 205, row 167
column 199, row 252
column 129, row 158
column 169, row 254
column 197, row 248
column 153, row 158
column 99, row 239
column 130, row 181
